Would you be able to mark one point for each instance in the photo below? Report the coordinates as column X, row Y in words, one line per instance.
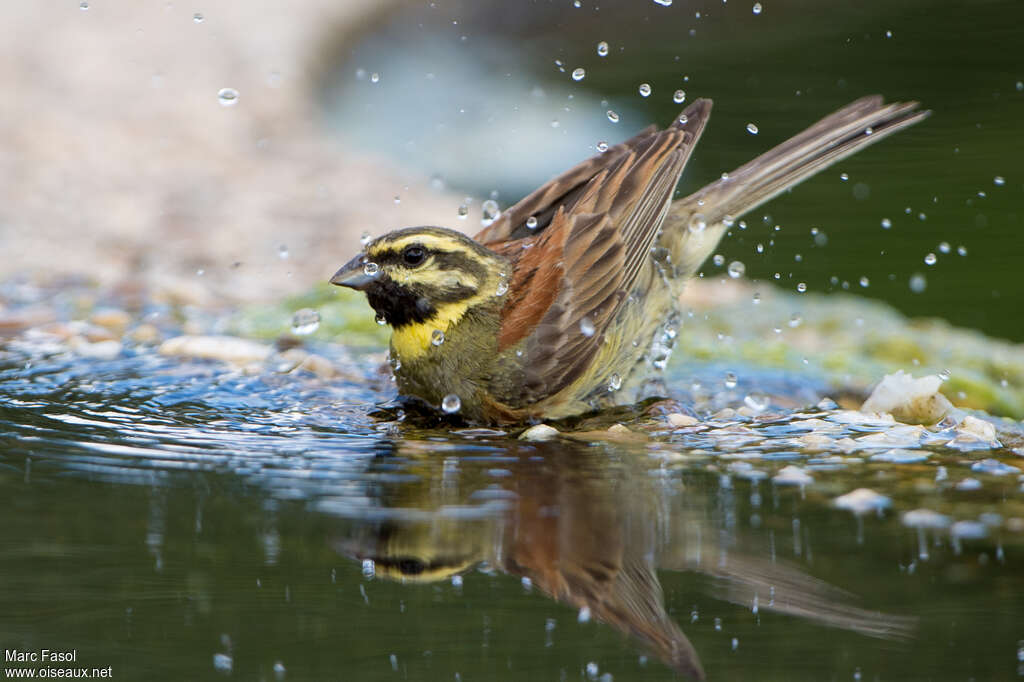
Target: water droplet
column 930, row 259
column 865, row 282
column 602, row 146
column 999, row 181
column 795, row 320
column 228, row 97
column 579, row 74
column 83, row 5
column 463, row 211
column 944, row 247
column 697, row 223
column 369, row 568
column 730, row 380
column 961, row 250
column 197, row 17
column 451, row 403
column 679, row 96
column 370, row 269
column 491, row 212
column 614, row 382
column 223, row 663
column 531, row 223
column 757, row 8
column 602, row 49
column 728, row 220
column 305, row 321
column 869, row 130
column 612, row 116
column 886, row 223
column 365, row 238
column 918, row 283
column 844, row 177
column 375, row 77
column 663, row 3
column 645, row 89
column 282, row 252
column 398, row 199
column 752, row 129
column 381, row 319
column 587, row 327
column 757, row 298
column 801, row 287
column 718, row 259
column 736, row 269
column 437, row 337
column 502, row 288
column 888, row 34
column 683, row 119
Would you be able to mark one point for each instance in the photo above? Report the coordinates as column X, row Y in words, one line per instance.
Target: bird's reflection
column 589, row 527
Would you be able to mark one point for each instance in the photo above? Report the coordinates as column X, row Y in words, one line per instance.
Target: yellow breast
column 414, row 340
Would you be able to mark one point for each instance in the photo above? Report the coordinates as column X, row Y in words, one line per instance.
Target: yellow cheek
column 415, row 340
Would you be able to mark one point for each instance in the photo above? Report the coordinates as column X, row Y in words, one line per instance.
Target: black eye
column 414, row 255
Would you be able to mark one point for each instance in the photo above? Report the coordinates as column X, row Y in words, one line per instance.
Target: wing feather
column 592, row 249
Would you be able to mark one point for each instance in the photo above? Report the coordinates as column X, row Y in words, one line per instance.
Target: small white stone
column 539, row 432
column 225, row 348
column 910, row 400
column 679, row 420
column 978, row 427
column 816, row 442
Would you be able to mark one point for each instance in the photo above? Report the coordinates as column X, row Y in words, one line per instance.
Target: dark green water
column 185, row 521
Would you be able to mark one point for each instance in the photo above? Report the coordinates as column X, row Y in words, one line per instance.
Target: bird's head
column 418, row 275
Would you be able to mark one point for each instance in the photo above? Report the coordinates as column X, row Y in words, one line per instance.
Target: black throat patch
column 399, row 305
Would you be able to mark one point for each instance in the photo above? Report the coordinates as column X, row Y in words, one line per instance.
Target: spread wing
column 595, row 225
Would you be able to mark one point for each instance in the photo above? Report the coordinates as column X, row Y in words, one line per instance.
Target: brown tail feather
column 834, row 137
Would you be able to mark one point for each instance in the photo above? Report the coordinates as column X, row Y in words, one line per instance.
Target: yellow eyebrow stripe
column 428, row 241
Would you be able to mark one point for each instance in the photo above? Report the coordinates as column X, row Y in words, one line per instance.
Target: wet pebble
column 114, row 320
column 909, row 400
column 225, row 348
column 815, row 442
column 899, row 436
column 901, row 456
column 968, row 442
column 100, row 350
column 145, row 334
column 678, row 420
column 539, row 432
column 978, row 427
column 296, row 359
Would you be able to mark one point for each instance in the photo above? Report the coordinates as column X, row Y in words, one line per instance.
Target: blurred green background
column 481, row 96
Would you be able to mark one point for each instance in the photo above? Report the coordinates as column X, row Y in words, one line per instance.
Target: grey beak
column 353, row 275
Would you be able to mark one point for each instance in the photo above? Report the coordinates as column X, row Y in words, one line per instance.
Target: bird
column 567, row 303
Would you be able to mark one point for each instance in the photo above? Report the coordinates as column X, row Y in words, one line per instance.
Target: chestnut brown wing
column 585, row 259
